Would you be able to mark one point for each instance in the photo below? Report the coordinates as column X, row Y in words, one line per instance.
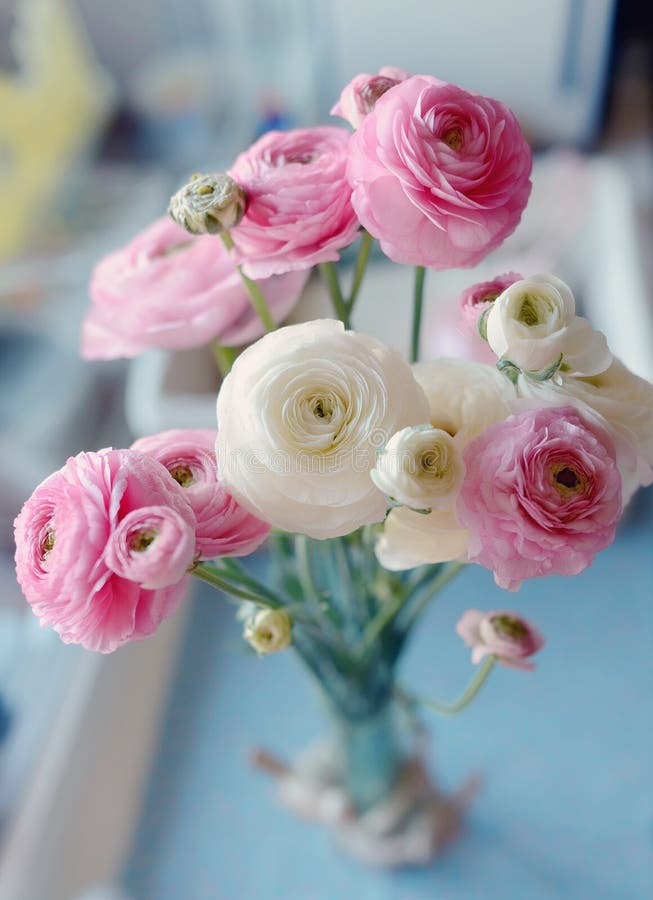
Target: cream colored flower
column 534, row 325
column 268, row 630
column 412, row 539
column 464, row 397
column 420, row 467
column 300, row 418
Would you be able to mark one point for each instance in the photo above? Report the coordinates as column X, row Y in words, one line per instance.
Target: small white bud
column 268, row 630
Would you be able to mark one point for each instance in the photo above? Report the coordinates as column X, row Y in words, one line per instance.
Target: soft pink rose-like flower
column 299, row 210
column 440, row 175
column 503, row 634
column 170, row 289
column 224, row 528
column 358, row 98
column 479, row 297
column 62, row 534
column 541, row 496
column 153, row 546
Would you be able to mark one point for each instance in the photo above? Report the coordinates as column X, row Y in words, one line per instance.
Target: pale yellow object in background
column 49, row 114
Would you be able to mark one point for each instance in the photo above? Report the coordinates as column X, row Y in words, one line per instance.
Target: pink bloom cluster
column 542, row 495
column 503, row 634
column 223, row 527
column 440, row 175
column 104, row 544
column 93, row 548
column 299, row 210
column 167, row 288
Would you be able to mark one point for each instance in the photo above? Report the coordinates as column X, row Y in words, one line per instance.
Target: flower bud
column 505, row 635
column 208, row 204
column 534, row 326
column 420, row 467
column 268, row 630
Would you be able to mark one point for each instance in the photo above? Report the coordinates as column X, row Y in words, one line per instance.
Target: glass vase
column 368, row 781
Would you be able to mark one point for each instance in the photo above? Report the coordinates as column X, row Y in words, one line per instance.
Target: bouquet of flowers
column 374, row 479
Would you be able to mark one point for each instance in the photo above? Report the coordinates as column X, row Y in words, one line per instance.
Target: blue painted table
column 567, row 753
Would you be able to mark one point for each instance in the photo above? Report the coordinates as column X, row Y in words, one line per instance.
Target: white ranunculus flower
column 464, row 397
column 412, row 539
column 533, row 322
column 620, row 402
column 420, row 467
column 300, row 418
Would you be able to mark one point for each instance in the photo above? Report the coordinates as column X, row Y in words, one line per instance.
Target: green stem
column 361, row 265
column 329, row 272
column 208, row 575
column 443, row 577
column 224, row 357
column 449, row 709
column 236, row 572
column 418, row 301
column 390, row 611
column 255, row 293
column 304, row 571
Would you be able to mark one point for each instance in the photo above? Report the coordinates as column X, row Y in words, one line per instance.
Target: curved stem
column 361, row 265
column 329, row 272
column 256, row 298
column 474, row 686
column 418, row 301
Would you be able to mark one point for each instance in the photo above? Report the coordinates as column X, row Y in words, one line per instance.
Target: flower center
column 490, row 297
column 509, row 626
column 47, row 545
column 432, row 463
column 142, row 540
column 373, row 90
column 567, row 480
column 322, row 408
column 300, row 158
column 183, row 475
column 453, row 138
column 528, row 312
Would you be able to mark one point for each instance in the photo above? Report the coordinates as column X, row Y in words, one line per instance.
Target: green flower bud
column 208, row 204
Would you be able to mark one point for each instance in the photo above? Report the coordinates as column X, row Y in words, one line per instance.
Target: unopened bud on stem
column 268, row 630
column 208, row 204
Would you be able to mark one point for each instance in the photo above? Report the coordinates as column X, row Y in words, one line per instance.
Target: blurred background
column 126, row 776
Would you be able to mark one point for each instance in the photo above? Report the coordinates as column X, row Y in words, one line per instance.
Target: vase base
column 411, row 827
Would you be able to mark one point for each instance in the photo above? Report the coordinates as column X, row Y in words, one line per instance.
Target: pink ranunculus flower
column 167, row 288
column 541, row 496
column 477, row 298
column 152, row 546
column 224, row 528
column 358, row 98
column 299, row 210
column 62, row 534
column 506, row 635
column 440, row 175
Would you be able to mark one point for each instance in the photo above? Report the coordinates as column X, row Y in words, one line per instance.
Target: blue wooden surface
column 567, row 753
